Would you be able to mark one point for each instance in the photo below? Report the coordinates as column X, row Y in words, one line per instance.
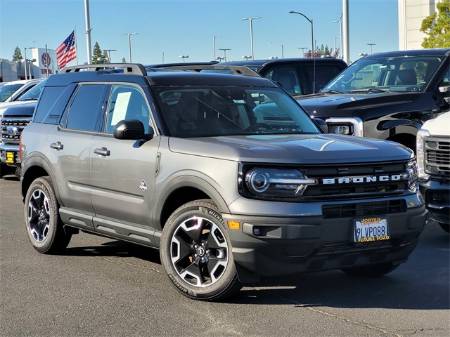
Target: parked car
column 296, row 75
column 433, row 155
column 225, row 174
column 386, row 95
column 15, row 116
column 10, row 91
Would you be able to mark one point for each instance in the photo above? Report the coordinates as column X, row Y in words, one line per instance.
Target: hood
column 292, row 149
column 439, row 126
column 18, row 109
column 352, row 105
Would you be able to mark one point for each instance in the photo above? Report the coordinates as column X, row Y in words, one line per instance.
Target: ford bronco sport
column 225, row 174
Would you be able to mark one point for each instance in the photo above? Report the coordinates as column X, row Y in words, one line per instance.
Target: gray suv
column 226, row 175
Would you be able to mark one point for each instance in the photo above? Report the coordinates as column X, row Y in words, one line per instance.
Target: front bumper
column 437, row 199
column 286, row 245
column 9, row 154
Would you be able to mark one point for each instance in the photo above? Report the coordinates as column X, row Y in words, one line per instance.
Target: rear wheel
column 44, row 226
column 196, row 252
column 445, row 226
column 373, row 271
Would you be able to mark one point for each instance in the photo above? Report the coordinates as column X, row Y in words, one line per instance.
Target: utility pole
column 130, row 35
column 345, row 32
column 214, row 47
column 282, row 51
column 108, row 52
column 225, row 53
column 250, row 20
column 87, row 22
column 25, row 63
column 371, row 44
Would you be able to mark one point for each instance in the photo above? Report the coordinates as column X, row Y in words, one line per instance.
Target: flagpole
column 76, row 43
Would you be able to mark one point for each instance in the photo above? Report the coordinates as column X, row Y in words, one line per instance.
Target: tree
column 98, row 57
column 17, row 55
column 437, row 27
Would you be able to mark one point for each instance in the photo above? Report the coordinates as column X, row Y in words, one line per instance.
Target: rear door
column 123, row 171
column 71, row 145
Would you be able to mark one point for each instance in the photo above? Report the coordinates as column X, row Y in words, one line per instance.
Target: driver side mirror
column 132, row 129
column 321, row 124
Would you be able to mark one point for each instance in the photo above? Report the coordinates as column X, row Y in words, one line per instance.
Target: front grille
column 355, row 189
column 364, row 209
column 437, row 157
column 11, row 129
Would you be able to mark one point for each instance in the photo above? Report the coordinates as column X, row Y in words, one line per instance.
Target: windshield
column 225, row 111
column 33, row 93
column 7, row 90
column 378, row 74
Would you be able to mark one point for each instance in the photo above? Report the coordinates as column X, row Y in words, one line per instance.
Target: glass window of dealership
column 410, row 16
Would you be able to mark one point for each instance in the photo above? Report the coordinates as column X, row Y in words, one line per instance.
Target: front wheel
column 372, row 271
column 44, row 226
column 196, row 252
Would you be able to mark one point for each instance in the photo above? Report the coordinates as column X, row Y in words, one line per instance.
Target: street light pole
column 214, row 47
column 108, row 52
column 225, row 53
column 25, row 63
column 371, row 44
column 312, row 46
column 345, row 32
column 129, row 45
column 250, row 20
column 87, row 22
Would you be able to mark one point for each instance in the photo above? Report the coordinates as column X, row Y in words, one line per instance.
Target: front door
column 123, row 171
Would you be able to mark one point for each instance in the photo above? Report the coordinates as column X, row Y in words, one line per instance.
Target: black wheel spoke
column 194, row 269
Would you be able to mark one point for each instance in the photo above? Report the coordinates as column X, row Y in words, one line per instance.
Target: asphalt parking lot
column 102, row 287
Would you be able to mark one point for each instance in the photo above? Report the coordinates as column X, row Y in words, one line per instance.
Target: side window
column 126, row 103
column 86, row 108
column 446, row 78
column 287, row 77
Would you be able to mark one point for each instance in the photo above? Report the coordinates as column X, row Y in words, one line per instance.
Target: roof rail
column 127, row 68
column 235, row 70
column 167, row 65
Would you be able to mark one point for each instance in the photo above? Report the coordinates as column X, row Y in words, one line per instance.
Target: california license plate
column 9, row 157
column 371, row 229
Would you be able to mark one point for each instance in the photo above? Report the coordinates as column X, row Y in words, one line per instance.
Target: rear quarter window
column 52, row 103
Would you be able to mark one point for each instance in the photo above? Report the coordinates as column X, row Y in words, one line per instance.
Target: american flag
column 66, row 51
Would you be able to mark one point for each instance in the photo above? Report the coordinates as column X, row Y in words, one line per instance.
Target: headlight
column 274, row 183
column 412, row 175
column 420, row 153
column 346, row 126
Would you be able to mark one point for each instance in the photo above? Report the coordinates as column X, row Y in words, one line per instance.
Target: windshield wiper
column 370, row 90
column 332, row 91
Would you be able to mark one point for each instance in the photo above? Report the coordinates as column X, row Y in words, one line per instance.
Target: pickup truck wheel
column 44, row 226
column 196, row 252
column 445, row 226
column 372, row 271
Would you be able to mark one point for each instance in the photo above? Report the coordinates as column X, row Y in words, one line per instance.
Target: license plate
column 10, row 157
column 371, row 229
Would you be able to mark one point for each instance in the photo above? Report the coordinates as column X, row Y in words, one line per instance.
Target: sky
column 187, row 27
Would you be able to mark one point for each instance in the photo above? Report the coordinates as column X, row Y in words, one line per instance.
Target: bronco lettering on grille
column 364, row 179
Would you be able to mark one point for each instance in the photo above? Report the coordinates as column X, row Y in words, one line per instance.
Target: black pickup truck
column 386, row 96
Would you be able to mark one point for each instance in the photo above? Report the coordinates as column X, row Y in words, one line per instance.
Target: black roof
column 213, row 79
column 419, row 52
column 263, row 63
column 162, row 78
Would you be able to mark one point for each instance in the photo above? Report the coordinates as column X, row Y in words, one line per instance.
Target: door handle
column 57, row 146
column 102, row 151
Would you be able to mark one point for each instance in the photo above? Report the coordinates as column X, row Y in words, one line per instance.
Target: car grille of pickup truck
column 356, row 180
column 437, row 159
column 11, row 129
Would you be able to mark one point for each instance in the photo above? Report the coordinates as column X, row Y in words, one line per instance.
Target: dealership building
column 410, row 16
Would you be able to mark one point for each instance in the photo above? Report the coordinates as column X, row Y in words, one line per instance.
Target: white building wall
column 410, row 16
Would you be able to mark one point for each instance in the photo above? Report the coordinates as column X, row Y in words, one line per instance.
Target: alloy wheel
column 38, row 215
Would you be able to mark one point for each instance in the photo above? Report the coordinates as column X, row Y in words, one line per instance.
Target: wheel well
column 405, row 139
column 178, row 198
column 32, row 173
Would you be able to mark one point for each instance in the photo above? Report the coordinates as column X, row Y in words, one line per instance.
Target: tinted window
column 446, row 79
column 126, row 103
column 86, row 108
column 286, row 76
column 7, row 90
column 324, row 74
column 224, row 111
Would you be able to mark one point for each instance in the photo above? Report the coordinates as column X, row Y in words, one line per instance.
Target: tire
column 195, row 239
column 371, row 271
column 445, row 226
column 4, row 170
column 43, row 223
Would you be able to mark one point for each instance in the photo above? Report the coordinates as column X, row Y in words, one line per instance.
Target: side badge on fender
column 143, row 186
